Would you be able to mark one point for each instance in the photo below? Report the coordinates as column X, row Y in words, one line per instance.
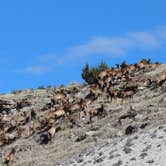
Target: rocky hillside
column 120, row 120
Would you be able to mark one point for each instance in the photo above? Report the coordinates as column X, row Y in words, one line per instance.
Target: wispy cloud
column 36, row 70
column 144, row 40
column 109, row 46
column 114, row 46
column 47, row 58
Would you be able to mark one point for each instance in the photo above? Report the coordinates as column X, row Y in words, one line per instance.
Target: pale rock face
column 164, row 99
column 113, row 136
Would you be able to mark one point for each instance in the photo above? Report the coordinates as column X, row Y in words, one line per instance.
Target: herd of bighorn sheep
column 65, row 111
column 124, row 82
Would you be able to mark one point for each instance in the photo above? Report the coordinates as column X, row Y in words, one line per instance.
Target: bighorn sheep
column 95, row 92
column 161, row 79
column 127, row 94
column 99, row 112
column 112, row 93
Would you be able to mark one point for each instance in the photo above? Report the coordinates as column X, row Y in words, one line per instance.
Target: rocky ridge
column 64, row 124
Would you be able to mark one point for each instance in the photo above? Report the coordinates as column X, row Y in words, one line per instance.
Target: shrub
column 61, row 86
column 102, row 66
column 16, row 91
column 73, row 83
column 49, row 86
column 117, row 66
column 41, row 87
column 123, row 64
column 146, row 61
column 90, row 74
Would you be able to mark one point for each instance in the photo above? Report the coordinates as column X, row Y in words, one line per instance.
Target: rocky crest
column 70, row 125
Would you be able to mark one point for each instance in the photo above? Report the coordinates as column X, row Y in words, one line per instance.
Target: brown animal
column 10, row 156
column 130, row 87
column 94, row 93
column 112, row 93
column 73, row 108
column 2, row 138
column 84, row 104
column 103, row 75
column 54, row 115
column 99, row 112
column 23, row 103
column 108, row 82
column 6, row 118
column 34, row 126
column 52, row 131
column 101, row 84
column 60, row 98
column 132, row 68
column 43, row 122
column 10, row 137
column 22, row 119
column 141, row 65
column 127, row 94
column 59, row 113
column 161, row 79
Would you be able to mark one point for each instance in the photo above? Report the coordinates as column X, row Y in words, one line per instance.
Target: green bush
column 61, row 86
column 41, row 87
column 102, row 66
column 73, row 83
column 90, row 74
column 16, row 91
column 123, row 64
column 146, row 61
column 49, row 86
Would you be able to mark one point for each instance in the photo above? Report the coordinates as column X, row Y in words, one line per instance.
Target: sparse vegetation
column 16, row 91
column 41, row 87
column 52, row 115
column 90, row 74
column 146, row 61
column 61, row 86
column 123, row 64
column 73, row 83
column 49, row 86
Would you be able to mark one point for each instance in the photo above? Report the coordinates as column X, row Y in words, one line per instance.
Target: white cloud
column 144, row 40
column 161, row 32
column 47, row 58
column 36, row 70
column 108, row 46
column 116, row 46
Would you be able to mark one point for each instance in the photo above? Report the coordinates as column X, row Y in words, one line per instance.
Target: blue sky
column 48, row 42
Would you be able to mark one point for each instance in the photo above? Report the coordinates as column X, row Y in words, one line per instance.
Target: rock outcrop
column 47, row 127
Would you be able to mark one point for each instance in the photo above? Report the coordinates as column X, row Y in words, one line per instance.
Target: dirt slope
column 131, row 133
